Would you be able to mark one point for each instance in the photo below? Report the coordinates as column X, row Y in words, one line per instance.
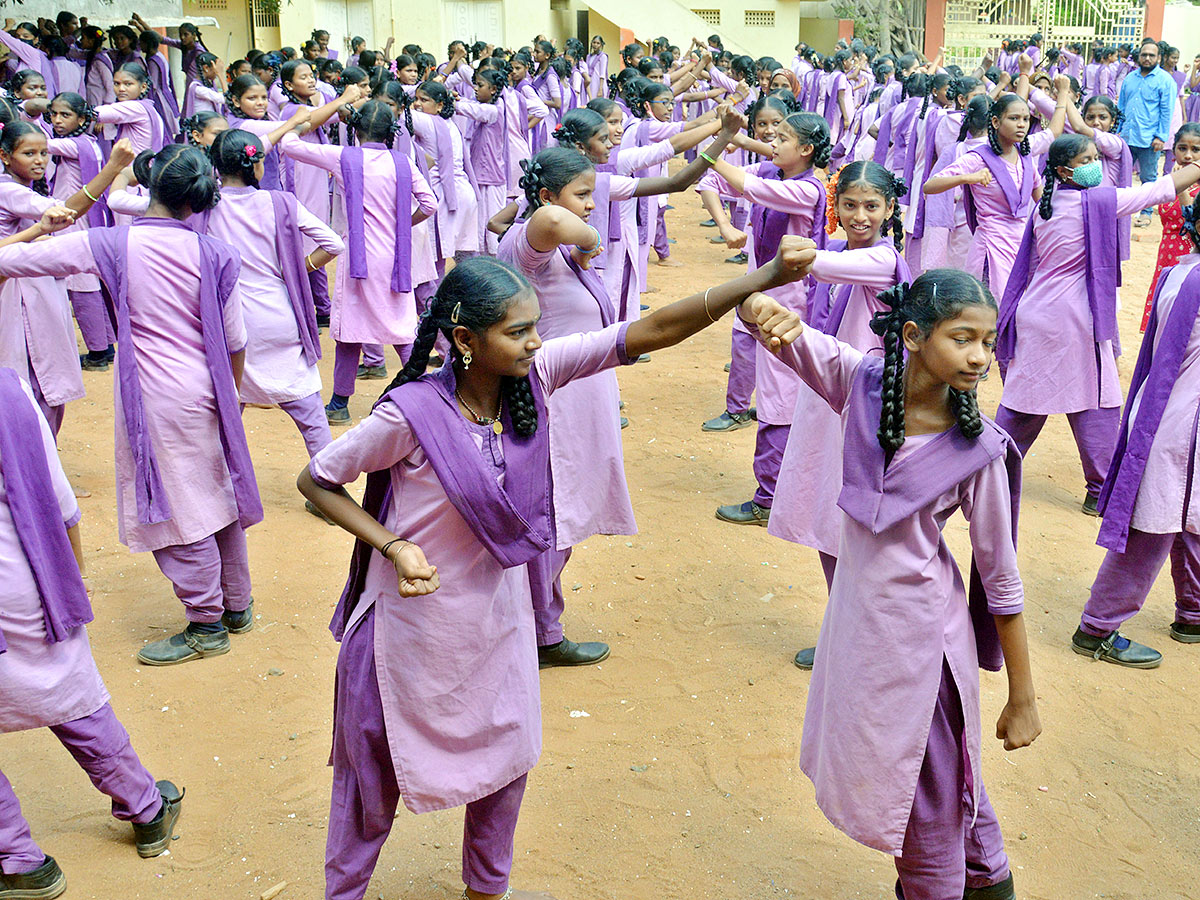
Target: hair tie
column 251, row 151
column 899, row 185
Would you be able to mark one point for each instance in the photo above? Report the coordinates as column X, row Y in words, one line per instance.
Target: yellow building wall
column 230, row 38
column 819, row 33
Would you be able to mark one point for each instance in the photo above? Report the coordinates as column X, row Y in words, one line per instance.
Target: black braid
column 994, row 139
column 889, row 325
column 1046, row 206
column 518, row 394
column 965, row 406
column 924, row 107
column 418, row 361
column 896, row 223
column 531, row 181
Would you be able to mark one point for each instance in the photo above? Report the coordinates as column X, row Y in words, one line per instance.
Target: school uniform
column 997, row 212
column 185, row 483
column 597, row 65
column 482, row 516
column 310, row 184
column 1149, row 509
column 77, row 161
column 521, row 103
column 37, row 338
column 373, row 292
column 457, row 208
column 919, row 164
column 899, row 634
column 137, row 120
column 488, row 150
column 1058, row 328
column 591, row 495
column 98, row 79
column 199, row 97
column 947, row 233
column 48, row 678
column 283, row 344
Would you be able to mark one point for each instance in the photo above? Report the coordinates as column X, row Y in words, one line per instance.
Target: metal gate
column 976, row 27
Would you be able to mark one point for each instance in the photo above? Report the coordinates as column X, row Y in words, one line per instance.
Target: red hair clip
column 251, row 151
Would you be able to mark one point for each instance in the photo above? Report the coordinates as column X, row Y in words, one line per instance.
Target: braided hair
column 179, row 177
column 496, row 78
column 939, row 81
column 237, row 88
column 475, row 294
column 287, row 72
column 976, row 117
column 767, row 101
column 392, row 93
column 436, row 91
column 639, row 91
column 374, row 123
column 938, row 295
column 961, row 87
column 205, row 59
column 870, row 174
column 1062, row 151
column 80, row 107
column 553, row 169
column 812, row 129
column 236, row 152
column 196, row 124
column 11, row 136
column 578, row 127
column 137, row 72
column 997, row 112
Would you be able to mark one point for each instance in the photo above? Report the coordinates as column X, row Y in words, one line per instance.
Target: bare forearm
column 237, row 361
column 340, row 508
column 1015, row 644
column 76, row 545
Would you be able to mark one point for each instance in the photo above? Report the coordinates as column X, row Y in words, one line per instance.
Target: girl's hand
column 417, row 576
column 56, row 218
column 352, row 93
column 122, row 154
column 584, row 257
column 732, row 121
column 1018, row 725
column 793, row 261
column 982, row 177
column 734, row 238
column 1062, row 82
column 778, row 325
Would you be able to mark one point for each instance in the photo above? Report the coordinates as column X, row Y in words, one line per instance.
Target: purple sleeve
column 1042, row 103
column 528, row 260
column 634, row 159
column 68, row 254
column 323, row 156
column 379, row 441
column 121, row 113
column 561, row 360
column 422, row 192
column 987, row 506
column 870, row 265
column 318, row 232
column 235, row 323
column 794, row 197
column 824, row 363
column 1132, row 199
column 711, row 181
column 128, row 203
column 967, row 164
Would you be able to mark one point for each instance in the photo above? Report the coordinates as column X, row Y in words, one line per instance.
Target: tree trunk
column 885, row 26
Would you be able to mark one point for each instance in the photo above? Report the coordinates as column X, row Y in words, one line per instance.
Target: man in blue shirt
column 1147, row 101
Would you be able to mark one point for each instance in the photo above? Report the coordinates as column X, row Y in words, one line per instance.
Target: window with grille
column 760, row 18
column 266, row 13
column 211, row 5
column 710, row 16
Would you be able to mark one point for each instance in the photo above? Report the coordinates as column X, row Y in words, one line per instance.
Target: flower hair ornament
column 393, row 69
column 1188, row 228
column 251, row 152
column 831, row 216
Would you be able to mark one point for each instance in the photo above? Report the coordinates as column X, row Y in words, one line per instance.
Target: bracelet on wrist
column 88, row 194
column 708, row 159
column 594, row 247
column 384, row 548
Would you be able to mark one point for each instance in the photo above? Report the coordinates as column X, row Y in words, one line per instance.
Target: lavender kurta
column 35, row 315
column 459, row 228
column 1164, row 504
column 776, row 384
column 41, row 684
column 590, row 492
column 897, row 607
column 367, row 310
column 457, row 669
column 810, row 477
column 177, row 389
column 275, row 369
column 134, row 120
column 1057, row 366
column 998, row 235
column 68, row 180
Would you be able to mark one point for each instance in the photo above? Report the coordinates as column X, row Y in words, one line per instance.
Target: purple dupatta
column 514, row 522
column 219, row 269
column 295, row 277
column 356, row 246
column 1102, row 270
column 1154, row 378
column 37, row 518
column 87, row 152
column 770, row 225
column 879, row 495
column 1020, row 199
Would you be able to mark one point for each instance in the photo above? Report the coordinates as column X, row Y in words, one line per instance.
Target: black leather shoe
column 43, row 883
column 738, row 259
column 1115, row 648
column 728, row 421
column 155, row 836
column 569, row 653
column 1185, row 633
column 1089, row 507
column 805, row 659
column 748, row 513
column 184, row 647
column 1002, row 891
column 239, row 622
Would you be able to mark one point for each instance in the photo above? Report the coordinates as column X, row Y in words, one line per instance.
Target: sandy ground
column 681, row 779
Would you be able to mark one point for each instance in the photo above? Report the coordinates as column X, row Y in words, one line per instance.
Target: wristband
column 708, row 159
column 88, row 194
column 594, row 247
column 384, row 548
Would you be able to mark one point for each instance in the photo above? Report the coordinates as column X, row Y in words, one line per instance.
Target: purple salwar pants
column 319, row 282
column 309, row 415
column 372, row 355
column 547, row 611
column 769, row 445
column 345, row 365
column 1095, row 430
column 738, row 214
column 661, row 246
column 943, row 851
column 740, row 386
column 92, row 318
column 366, row 795
column 101, row 746
column 1125, row 579
column 210, row 576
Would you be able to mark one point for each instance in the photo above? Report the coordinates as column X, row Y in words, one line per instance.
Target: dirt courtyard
column 669, row 771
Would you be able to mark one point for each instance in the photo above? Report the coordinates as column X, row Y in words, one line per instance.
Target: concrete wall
column 1181, row 28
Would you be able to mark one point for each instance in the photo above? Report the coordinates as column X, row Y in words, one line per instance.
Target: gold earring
column 466, row 360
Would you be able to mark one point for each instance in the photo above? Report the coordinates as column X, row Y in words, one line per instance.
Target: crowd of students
column 492, row 218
